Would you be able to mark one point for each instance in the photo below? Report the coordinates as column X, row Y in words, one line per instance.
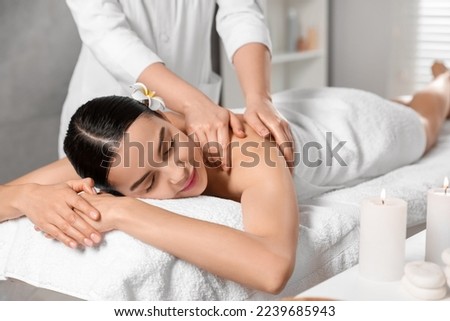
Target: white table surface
column 349, row 285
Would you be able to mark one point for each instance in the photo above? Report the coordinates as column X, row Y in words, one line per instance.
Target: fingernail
column 93, row 214
column 88, row 242
column 264, row 132
column 73, row 244
column 95, row 238
column 94, row 190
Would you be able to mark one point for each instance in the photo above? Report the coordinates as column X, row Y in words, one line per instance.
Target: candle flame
column 383, row 196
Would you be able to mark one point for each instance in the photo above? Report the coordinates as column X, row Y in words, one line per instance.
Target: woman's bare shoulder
column 256, row 159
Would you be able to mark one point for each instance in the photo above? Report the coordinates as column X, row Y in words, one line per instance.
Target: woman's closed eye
column 165, row 155
column 170, row 146
column 152, row 180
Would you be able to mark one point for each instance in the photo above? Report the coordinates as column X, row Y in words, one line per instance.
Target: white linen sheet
column 123, row 268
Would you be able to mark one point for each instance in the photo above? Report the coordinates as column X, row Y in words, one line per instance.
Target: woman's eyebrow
column 162, row 133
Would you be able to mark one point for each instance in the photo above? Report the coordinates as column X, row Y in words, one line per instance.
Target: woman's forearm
column 236, row 255
column 9, row 199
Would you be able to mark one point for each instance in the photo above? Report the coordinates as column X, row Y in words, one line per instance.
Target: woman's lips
column 191, row 181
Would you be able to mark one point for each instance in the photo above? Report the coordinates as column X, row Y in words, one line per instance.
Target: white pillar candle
column 382, row 238
column 438, row 223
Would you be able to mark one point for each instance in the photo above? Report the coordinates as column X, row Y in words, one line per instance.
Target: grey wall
column 361, row 45
column 39, row 46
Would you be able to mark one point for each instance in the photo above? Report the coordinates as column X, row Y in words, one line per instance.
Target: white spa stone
column 424, row 294
column 446, row 256
column 426, row 275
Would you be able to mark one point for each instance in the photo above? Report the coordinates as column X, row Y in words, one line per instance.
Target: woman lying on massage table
column 128, row 149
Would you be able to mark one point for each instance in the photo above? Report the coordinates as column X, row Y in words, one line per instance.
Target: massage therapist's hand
column 210, row 124
column 263, row 117
column 59, row 212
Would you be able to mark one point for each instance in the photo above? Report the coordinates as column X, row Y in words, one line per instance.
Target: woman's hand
column 210, row 126
column 110, row 208
column 59, row 212
column 263, row 117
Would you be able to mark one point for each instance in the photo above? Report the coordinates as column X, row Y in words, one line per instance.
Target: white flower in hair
column 147, row 97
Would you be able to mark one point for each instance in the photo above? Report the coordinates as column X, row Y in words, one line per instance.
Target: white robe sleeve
column 240, row 22
column 104, row 29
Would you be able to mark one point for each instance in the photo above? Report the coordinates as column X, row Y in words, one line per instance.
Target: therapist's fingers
column 236, row 125
column 291, row 162
column 204, row 142
column 281, row 132
column 212, row 148
column 200, row 139
column 258, row 126
column 223, row 139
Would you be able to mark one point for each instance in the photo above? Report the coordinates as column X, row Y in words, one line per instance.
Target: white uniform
column 122, row 37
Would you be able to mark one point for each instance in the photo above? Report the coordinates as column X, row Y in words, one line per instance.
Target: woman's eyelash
column 151, row 184
column 171, row 144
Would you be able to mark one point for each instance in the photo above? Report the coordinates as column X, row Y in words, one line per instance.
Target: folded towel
column 121, row 268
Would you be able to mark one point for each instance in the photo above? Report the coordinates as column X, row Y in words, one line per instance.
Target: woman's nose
column 177, row 173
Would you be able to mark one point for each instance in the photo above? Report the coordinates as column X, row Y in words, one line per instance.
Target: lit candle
column 382, row 238
column 438, row 223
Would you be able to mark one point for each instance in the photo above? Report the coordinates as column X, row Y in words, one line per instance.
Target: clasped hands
column 60, row 212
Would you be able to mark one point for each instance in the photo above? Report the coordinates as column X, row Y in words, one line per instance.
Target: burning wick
column 445, row 185
column 383, row 196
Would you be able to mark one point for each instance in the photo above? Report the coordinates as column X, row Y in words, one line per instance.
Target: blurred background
column 383, row 46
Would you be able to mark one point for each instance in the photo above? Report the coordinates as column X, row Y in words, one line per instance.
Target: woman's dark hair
column 95, row 132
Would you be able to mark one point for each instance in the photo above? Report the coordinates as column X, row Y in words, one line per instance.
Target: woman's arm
column 262, row 261
column 49, row 197
column 261, row 257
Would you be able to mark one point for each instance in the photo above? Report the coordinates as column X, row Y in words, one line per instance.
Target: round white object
column 446, row 256
column 447, row 273
column 424, row 294
column 426, row 275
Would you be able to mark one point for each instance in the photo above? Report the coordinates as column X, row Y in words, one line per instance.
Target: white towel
column 370, row 135
column 121, row 268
